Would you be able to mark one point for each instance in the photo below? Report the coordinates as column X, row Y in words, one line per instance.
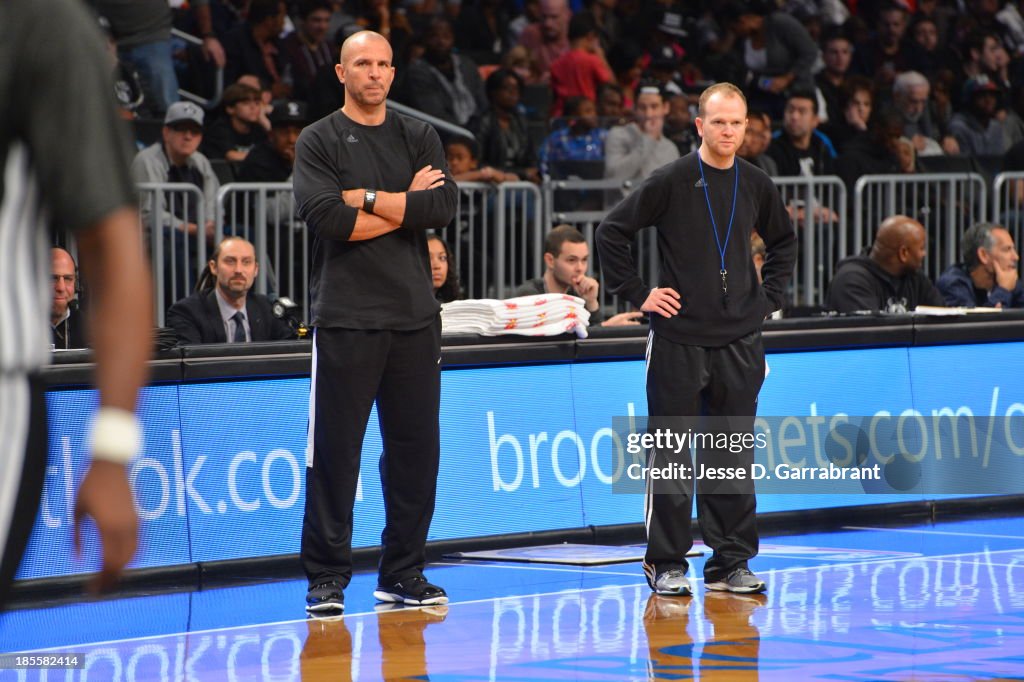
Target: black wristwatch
column 369, row 199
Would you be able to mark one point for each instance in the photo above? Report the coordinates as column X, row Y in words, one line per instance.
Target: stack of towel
column 540, row 315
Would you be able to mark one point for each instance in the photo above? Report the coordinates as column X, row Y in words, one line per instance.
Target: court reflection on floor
column 731, row 652
column 328, row 653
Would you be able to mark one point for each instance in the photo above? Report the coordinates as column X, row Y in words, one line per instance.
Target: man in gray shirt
column 635, row 150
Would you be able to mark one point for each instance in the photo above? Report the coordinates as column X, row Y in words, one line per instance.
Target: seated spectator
column 273, row 158
column 886, row 54
column 635, row 150
column 906, row 155
column 308, row 47
column 610, row 111
column 520, row 60
column 988, row 275
column 877, row 152
column 837, row 53
column 928, row 55
column 581, row 70
column 481, row 28
column 472, row 225
column 977, row 129
column 774, row 47
column 756, row 141
column 627, row 61
column 228, row 312
column 566, row 256
column 254, row 47
column 67, row 325
column 887, row 278
column 800, row 148
column 679, row 125
column 442, row 83
column 911, row 96
column 464, row 163
column 176, row 159
column 231, row 136
column 857, row 99
column 503, row 134
column 548, row 39
column 445, row 279
column 253, row 81
column 581, row 139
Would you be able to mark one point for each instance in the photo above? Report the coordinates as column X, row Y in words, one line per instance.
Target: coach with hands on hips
column 369, row 183
column 705, row 354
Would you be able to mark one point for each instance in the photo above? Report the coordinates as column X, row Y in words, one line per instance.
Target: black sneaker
column 325, row 597
column 415, row 591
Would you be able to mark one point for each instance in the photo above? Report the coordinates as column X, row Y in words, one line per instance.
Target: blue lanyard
column 714, row 227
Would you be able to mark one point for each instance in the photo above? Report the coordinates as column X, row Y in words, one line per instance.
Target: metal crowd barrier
column 520, row 235
column 471, row 236
column 498, row 234
column 176, row 257
column 497, row 237
column 945, row 203
column 1008, row 203
column 817, row 207
column 264, row 213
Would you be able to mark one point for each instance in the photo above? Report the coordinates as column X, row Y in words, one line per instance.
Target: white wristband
column 116, row 435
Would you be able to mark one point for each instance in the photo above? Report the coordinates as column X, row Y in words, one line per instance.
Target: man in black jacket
column 888, row 278
column 705, row 354
column 228, row 311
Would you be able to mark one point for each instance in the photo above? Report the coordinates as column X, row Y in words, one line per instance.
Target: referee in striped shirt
column 64, row 159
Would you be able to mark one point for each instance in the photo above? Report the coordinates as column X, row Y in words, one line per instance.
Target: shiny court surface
column 927, row 602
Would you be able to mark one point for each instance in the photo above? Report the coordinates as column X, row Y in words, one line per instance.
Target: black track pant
column 713, row 382
column 351, row 369
column 22, row 468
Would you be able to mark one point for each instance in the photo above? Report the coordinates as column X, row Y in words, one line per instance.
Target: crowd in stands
column 579, row 88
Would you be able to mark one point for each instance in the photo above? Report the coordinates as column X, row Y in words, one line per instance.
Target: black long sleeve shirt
column 380, row 283
column 672, row 200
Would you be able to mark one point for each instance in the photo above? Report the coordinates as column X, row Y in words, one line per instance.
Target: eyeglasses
column 68, row 280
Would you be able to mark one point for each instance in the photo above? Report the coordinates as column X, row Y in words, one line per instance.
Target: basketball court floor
column 922, row 602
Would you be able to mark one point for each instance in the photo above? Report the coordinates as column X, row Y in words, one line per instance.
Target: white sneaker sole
column 326, row 606
column 681, row 592
column 393, row 598
column 726, row 587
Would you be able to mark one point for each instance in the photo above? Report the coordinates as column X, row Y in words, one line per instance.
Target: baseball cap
column 184, row 111
column 289, row 112
column 673, row 22
column 979, row 84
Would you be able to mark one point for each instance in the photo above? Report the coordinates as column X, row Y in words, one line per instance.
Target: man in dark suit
column 228, row 312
